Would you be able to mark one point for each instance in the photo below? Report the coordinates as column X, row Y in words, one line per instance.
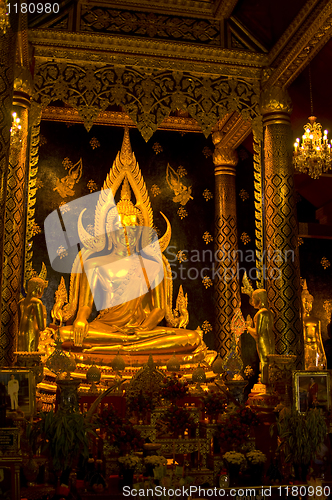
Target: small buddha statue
column 314, row 354
column 32, row 316
column 262, row 330
column 131, row 325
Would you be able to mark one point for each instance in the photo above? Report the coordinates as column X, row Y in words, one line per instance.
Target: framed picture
column 311, row 390
column 20, row 390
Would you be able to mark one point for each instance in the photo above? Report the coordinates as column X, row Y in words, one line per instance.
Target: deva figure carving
column 117, row 265
column 314, row 354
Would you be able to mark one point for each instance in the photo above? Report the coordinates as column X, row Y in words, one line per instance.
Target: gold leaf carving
column 244, row 195
column 157, row 148
column 155, row 190
column 94, row 143
column 92, row 186
column 181, row 256
column 245, row 238
column 182, row 212
column 207, row 194
column 207, row 237
column 207, row 281
column 206, row 326
column 147, row 97
column 181, row 171
column 325, row 262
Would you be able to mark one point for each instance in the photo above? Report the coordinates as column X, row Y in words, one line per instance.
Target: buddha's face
column 307, row 304
column 124, row 233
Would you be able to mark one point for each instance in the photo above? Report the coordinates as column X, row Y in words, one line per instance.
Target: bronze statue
column 131, row 326
column 314, row 354
column 32, row 316
column 262, row 330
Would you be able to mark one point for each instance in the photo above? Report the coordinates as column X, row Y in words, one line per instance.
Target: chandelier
column 4, row 17
column 313, row 156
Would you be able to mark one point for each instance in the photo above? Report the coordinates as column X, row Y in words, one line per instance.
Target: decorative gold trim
column 290, row 34
column 275, row 104
column 223, row 8
column 313, row 34
column 186, row 7
column 208, row 99
column 234, row 130
column 257, row 128
column 118, row 119
column 159, row 54
column 31, row 197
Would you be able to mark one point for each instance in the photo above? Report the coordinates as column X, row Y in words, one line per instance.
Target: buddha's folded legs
column 159, row 341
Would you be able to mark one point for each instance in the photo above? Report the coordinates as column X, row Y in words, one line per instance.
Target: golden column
column 226, row 282
column 282, row 269
column 15, row 212
column 8, row 39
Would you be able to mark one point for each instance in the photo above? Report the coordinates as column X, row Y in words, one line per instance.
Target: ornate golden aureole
column 130, row 328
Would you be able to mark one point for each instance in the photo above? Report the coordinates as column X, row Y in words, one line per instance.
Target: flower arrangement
column 119, row 431
column 256, row 457
column 129, row 461
column 234, row 458
column 155, row 461
column 178, row 419
column 233, row 432
column 214, row 403
column 141, row 403
column 174, row 388
column 247, row 416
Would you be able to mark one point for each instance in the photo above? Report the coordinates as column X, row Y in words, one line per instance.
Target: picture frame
column 311, row 389
column 23, row 398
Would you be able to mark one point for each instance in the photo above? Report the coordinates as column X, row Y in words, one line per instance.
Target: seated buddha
column 132, row 293
column 314, row 354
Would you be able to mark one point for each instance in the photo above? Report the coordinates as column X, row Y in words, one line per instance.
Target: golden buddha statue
column 314, row 354
column 32, row 316
column 130, row 325
column 262, row 330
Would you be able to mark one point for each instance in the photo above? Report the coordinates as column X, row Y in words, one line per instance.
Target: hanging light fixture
column 313, row 156
column 4, row 17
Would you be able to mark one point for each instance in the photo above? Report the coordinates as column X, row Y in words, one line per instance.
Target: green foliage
column 65, row 436
column 301, row 434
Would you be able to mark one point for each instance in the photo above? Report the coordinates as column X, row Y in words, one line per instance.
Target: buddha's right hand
column 80, row 330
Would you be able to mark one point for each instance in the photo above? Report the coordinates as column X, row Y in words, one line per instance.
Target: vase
column 234, row 474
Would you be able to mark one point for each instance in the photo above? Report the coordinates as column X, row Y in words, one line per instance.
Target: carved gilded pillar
column 15, row 213
column 7, row 58
column 282, row 269
column 226, row 282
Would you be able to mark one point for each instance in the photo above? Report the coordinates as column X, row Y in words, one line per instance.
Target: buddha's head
column 259, row 298
column 307, row 301
column 123, row 223
column 36, row 286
